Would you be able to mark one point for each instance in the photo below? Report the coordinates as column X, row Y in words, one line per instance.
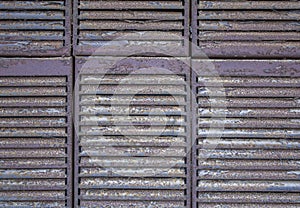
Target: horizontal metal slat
column 249, row 15
column 234, row 102
column 250, row 133
column 33, row 153
column 33, row 132
column 134, row 195
column 137, row 171
column 32, row 91
column 31, row 25
column 83, row 4
column 42, row 111
column 246, row 186
column 253, row 82
column 132, row 151
column 31, row 174
column 50, row 204
column 36, row 122
column 143, row 204
column 248, row 175
column 31, row 15
column 32, row 101
column 240, row 164
column 249, row 112
column 272, row 49
column 129, row 25
column 129, row 35
column 249, row 154
column 32, row 196
column 265, row 198
column 129, row 15
column 32, row 184
column 32, row 81
column 251, row 5
column 133, row 183
column 156, row 89
column 249, row 143
column 250, row 123
column 247, row 36
column 250, row 92
column 249, row 25
column 142, row 100
column 32, row 5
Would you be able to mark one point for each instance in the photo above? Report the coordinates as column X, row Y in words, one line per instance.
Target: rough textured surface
column 132, row 147
column 255, row 163
column 252, row 29
column 138, row 27
column 35, row 133
column 35, row 28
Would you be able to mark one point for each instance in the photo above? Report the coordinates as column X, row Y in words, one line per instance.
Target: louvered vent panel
column 35, row 133
column 124, row 27
column 34, row 28
column 255, row 163
column 134, row 159
column 247, row 28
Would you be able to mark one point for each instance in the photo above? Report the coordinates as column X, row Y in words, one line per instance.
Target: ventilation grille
column 248, row 28
column 136, row 158
column 122, row 27
column 256, row 160
column 34, row 162
column 39, row 28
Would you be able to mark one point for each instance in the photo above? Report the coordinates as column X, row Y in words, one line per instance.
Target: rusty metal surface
column 35, row 28
column 36, row 132
column 246, row 29
column 155, row 28
column 255, row 163
column 120, row 166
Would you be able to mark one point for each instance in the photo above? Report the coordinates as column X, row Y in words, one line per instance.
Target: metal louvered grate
column 132, row 133
column 35, row 133
column 116, row 27
column 256, row 161
column 35, row 28
column 265, row 29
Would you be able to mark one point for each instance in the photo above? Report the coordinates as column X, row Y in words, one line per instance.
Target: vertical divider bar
column 194, row 138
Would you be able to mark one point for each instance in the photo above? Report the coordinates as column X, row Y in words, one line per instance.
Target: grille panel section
column 255, row 162
column 265, row 29
column 131, row 27
column 35, row 168
column 132, row 149
column 35, row 28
